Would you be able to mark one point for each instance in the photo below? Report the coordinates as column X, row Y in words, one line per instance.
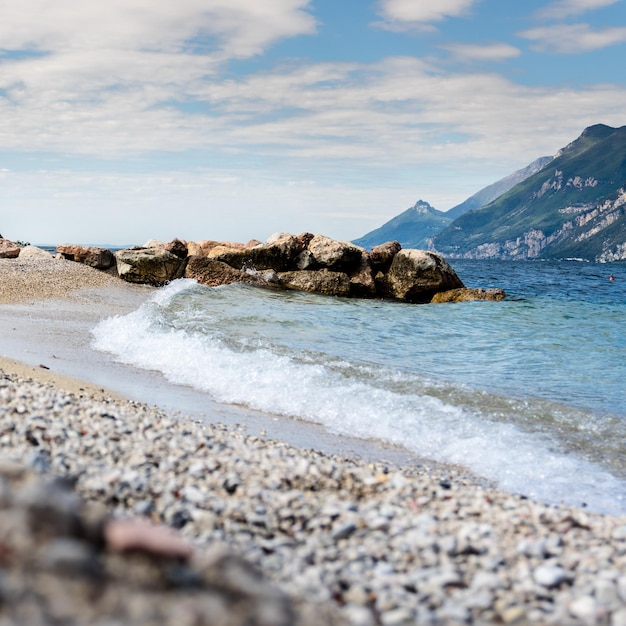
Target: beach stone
column 619, row 618
column 584, row 608
column 551, row 576
column 152, row 266
column 8, row 249
column 417, row 275
column 98, row 258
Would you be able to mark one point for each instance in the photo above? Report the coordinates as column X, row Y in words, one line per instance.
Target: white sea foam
column 280, row 382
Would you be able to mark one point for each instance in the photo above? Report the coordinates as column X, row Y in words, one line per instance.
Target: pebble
column 551, row 576
column 307, row 538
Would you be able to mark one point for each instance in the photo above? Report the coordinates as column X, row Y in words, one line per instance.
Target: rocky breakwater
column 306, row 262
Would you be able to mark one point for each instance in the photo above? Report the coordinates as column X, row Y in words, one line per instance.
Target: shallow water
column 527, row 392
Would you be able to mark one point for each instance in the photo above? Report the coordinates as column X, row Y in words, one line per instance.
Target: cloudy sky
column 126, row 120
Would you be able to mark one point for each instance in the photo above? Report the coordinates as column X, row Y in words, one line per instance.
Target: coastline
column 393, row 542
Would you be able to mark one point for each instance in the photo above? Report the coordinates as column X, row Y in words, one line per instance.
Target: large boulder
column 317, row 281
column 362, row 284
column 214, row 273
column 416, row 276
column 8, row 249
column 201, row 248
column 152, row 266
column 33, row 252
column 176, row 246
column 335, row 255
column 278, row 255
column 99, row 258
column 381, row 256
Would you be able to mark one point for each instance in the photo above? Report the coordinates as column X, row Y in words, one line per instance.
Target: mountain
column 575, row 207
column 490, row 193
column 416, row 226
column 412, row 228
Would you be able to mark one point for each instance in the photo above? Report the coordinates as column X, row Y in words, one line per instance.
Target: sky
column 128, row 120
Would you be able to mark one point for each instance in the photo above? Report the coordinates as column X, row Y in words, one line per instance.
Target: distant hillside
column 416, row 226
column 490, row 193
column 412, row 228
column 572, row 208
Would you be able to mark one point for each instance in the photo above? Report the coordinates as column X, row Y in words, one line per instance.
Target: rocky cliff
column 575, row 207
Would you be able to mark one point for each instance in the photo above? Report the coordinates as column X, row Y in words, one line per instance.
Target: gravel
column 335, row 541
column 35, row 278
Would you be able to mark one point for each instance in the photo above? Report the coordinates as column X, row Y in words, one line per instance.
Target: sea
column 528, row 393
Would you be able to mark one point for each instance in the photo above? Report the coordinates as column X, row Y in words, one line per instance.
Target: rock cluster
column 318, row 264
column 306, row 262
column 343, row 542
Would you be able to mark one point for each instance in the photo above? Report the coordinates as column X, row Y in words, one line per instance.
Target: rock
column 551, row 576
column 417, row 275
column 362, row 284
column 277, row 255
column 213, row 273
column 98, row 258
column 466, row 294
column 201, row 248
column 8, row 249
column 177, row 248
column 152, row 266
column 142, row 536
column 584, row 609
column 317, row 281
column 335, row 255
column 381, row 256
column 33, row 252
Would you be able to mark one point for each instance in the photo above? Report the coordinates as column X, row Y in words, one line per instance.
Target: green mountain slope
column 573, row 207
column 412, row 228
column 495, row 190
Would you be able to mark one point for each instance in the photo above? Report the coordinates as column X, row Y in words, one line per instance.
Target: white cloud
column 398, row 112
column 573, row 38
column 487, row 52
column 411, row 13
column 242, row 28
column 566, row 8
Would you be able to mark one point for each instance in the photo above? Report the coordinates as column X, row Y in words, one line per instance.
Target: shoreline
column 375, row 541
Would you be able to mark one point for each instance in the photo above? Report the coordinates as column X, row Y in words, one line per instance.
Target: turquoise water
column 528, row 392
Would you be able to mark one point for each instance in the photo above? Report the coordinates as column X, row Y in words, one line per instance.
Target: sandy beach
column 357, row 539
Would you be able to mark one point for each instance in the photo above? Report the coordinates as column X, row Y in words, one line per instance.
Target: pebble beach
column 276, row 533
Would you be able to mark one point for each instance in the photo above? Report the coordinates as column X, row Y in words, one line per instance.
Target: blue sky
column 233, row 119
